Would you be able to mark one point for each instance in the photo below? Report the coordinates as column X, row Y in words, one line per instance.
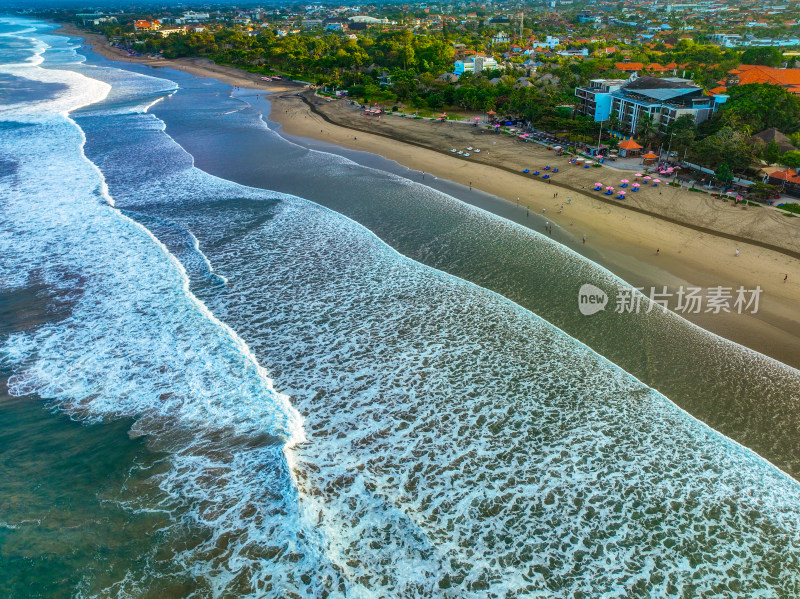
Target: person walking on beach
column 786, row 276
column 470, row 185
column 658, row 251
column 528, row 212
column 737, row 252
column 584, row 239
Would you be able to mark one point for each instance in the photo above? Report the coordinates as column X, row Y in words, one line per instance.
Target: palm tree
column 646, row 128
column 614, row 122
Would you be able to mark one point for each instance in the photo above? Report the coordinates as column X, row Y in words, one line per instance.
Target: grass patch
column 795, row 208
column 790, row 215
column 695, row 189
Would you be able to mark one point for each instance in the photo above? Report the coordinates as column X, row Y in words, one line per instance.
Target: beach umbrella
column 647, row 178
column 611, row 188
column 635, row 185
column 624, row 181
column 656, row 180
column 638, row 175
column 598, row 184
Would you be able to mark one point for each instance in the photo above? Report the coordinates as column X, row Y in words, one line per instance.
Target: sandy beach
column 701, row 252
column 696, row 236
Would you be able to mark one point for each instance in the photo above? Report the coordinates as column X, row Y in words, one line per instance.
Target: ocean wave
column 456, row 444
column 138, row 344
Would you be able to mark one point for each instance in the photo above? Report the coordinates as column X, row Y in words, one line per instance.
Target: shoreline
column 200, row 67
column 625, row 238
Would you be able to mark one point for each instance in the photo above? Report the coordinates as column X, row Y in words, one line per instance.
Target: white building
column 474, row 64
column 500, row 38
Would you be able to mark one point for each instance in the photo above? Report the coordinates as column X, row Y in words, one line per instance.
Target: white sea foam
column 138, row 344
column 458, row 446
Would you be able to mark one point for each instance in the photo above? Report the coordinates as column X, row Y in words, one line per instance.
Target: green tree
column 724, row 173
column 614, row 122
column 726, row 147
column 772, row 152
column 767, row 56
column 680, row 134
column 791, row 159
column 646, row 128
column 761, row 106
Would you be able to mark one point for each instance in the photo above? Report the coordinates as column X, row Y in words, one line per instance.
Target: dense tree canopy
column 758, row 106
column 767, row 56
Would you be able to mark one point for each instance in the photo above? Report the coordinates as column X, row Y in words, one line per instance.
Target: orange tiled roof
column 629, row 66
column 749, row 73
column 787, row 175
column 649, row 156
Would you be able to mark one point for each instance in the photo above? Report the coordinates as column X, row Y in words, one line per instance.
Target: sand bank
column 626, row 239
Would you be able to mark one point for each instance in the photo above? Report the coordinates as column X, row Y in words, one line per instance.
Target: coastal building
column 474, row 64
column 663, row 99
column 788, row 79
column 147, row 25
